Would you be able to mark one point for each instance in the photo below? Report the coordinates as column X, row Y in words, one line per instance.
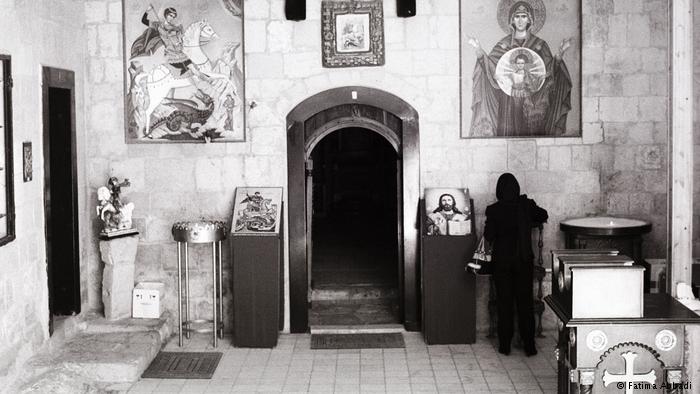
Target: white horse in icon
column 150, row 88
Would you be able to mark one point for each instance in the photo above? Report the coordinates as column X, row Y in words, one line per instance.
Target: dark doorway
column 354, row 209
column 309, row 123
column 355, row 242
column 60, row 193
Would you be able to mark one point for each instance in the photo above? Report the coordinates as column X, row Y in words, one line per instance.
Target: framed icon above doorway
column 183, row 71
column 352, row 33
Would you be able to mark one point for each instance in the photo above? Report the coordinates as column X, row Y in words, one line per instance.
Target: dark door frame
column 307, row 123
column 63, row 79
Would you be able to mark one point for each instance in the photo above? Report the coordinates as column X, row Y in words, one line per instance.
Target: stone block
column 431, row 62
column 109, row 40
column 641, row 203
column 255, row 36
column 658, row 25
column 619, row 109
column 400, row 63
column 114, row 12
column 635, row 85
column 522, row 155
column 595, row 30
column 591, row 109
column 627, row 6
column 592, row 133
column 641, row 133
column 302, row 64
column 622, row 181
column 626, row 60
column 544, row 182
column 581, row 157
column 638, row 30
column 95, row 11
column 625, row 157
column 653, row 108
column 175, row 175
column 602, row 85
column 279, row 36
column 617, row 30
column 119, row 256
column 207, row 174
column 492, row 159
column 96, row 70
column 394, row 29
column 442, row 31
column 617, row 204
column 306, row 35
column 654, row 181
column 417, row 29
column 559, row 158
column 592, row 62
column 650, row 157
column 262, row 66
column 598, row 7
column 542, row 158
column 582, row 182
column 653, row 60
column 257, row 9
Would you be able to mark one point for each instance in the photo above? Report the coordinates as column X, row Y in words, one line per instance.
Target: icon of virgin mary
column 501, row 107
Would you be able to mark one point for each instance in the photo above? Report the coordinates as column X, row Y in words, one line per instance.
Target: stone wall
column 35, row 35
column 618, row 166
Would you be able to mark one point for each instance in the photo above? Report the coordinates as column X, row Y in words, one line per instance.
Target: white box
column 607, row 292
column 147, row 300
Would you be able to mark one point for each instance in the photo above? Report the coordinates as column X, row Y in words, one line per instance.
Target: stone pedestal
column 119, row 256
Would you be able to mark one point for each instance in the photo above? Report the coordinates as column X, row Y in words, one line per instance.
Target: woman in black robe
column 509, row 224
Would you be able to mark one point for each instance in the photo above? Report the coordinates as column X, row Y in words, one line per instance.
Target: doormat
column 183, row 365
column 357, row 341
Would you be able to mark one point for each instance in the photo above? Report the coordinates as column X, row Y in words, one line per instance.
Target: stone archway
column 319, row 115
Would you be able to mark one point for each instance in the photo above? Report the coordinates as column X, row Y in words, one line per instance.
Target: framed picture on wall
column 27, row 171
column 521, row 68
column 256, row 211
column 447, row 211
column 183, row 71
column 352, row 33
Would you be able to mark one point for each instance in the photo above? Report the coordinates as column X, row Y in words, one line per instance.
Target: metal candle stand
column 205, row 231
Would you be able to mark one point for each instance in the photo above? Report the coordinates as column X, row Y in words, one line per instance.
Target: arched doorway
column 307, row 124
column 353, row 248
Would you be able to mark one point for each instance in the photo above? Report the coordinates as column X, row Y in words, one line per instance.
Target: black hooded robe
column 509, row 224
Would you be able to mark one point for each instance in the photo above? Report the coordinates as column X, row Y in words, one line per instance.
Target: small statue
column 115, row 216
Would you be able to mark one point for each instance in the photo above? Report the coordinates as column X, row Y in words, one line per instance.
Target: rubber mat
column 183, row 365
column 357, row 341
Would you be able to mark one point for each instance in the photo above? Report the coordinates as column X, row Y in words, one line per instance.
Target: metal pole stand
column 204, row 231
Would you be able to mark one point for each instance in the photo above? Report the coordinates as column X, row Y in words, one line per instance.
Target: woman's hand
column 474, row 42
column 565, row 44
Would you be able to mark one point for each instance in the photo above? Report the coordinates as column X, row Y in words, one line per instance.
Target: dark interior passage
column 60, row 205
column 355, row 240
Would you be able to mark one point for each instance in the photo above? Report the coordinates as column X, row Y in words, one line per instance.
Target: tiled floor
column 293, row 367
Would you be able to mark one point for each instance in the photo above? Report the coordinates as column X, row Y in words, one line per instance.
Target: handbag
column 481, row 263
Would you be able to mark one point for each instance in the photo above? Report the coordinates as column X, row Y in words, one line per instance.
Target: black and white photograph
column 350, row 196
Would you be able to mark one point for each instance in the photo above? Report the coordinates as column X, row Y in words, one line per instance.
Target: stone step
column 353, row 292
column 361, row 312
column 105, row 353
column 357, row 329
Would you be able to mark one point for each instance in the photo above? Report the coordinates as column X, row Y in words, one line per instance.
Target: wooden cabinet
column 448, row 291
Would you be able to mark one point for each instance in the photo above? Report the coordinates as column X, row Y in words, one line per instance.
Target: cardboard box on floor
column 147, row 300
